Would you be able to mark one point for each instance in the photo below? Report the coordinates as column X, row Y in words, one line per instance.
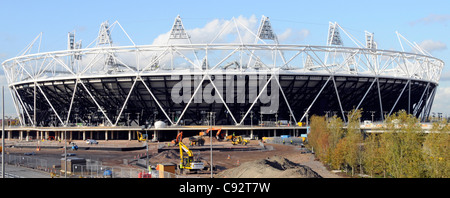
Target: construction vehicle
column 141, row 137
column 188, row 162
column 219, row 134
column 178, row 139
column 74, row 147
column 235, row 140
column 197, row 140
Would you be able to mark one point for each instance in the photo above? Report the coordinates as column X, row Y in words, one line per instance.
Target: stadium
column 237, row 77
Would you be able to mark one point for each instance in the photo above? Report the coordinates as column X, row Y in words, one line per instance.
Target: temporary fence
column 285, row 140
column 92, row 171
column 100, row 171
column 28, row 161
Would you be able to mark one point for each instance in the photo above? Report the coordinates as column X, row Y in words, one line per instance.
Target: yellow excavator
column 237, row 140
column 188, row 162
column 141, row 137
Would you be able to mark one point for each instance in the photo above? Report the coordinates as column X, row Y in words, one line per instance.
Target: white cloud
column 431, row 46
column 292, row 36
column 9, row 107
column 445, row 76
column 441, row 102
column 433, row 18
column 3, row 55
column 224, row 31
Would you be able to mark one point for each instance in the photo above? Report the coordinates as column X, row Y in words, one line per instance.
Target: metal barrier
column 29, row 162
column 285, row 140
column 93, row 171
column 99, row 171
column 8, row 175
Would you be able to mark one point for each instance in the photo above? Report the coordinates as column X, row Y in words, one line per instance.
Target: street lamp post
column 210, row 140
column 65, row 155
column 3, row 132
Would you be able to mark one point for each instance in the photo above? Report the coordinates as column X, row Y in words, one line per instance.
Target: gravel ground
column 222, row 160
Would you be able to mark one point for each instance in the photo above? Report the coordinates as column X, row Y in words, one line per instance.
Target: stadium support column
column 155, row 135
column 129, row 135
column 106, row 135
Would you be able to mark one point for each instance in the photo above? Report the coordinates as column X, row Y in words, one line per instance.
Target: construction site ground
column 222, row 160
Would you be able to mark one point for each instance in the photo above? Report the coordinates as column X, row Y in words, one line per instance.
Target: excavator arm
column 188, row 162
column 219, row 135
column 184, row 148
column 178, row 139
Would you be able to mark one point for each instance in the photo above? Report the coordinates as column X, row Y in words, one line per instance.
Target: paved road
column 23, row 172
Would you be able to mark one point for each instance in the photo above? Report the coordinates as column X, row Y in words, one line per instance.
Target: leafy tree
column 372, row 160
column 353, row 152
column 402, row 150
column 402, row 140
column 340, row 155
column 318, row 137
column 335, row 127
column 435, row 151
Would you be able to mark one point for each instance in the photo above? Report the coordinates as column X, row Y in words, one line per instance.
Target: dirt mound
column 206, row 140
column 273, row 167
column 169, row 156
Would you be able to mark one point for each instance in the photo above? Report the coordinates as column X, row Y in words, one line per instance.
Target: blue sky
column 22, row 20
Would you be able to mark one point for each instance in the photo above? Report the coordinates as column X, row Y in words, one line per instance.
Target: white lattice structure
column 115, row 85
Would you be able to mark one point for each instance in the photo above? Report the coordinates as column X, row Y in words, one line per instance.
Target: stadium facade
column 238, row 77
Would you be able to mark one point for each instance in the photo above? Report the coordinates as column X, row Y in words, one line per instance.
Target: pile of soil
column 272, row 167
column 171, row 156
column 168, row 156
column 206, row 139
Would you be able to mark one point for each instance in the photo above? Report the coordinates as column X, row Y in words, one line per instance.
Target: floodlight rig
column 178, row 31
column 104, row 34
column 334, row 37
column 370, row 42
column 265, row 31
